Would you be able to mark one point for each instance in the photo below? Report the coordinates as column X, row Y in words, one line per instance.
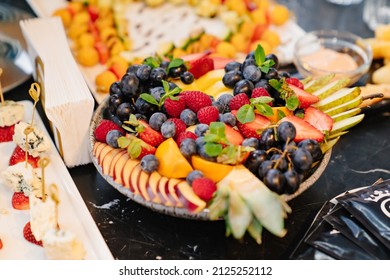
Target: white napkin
column 67, row 100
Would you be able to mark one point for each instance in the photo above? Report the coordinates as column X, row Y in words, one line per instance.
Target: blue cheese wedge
column 38, row 142
column 43, row 216
column 62, row 245
column 11, row 113
column 22, row 177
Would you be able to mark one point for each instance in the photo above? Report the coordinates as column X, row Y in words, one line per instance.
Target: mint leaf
column 175, row 91
column 259, row 55
column 246, row 114
column 123, row 142
column 281, row 114
column 149, row 98
column 217, row 128
column 152, row 62
column 261, row 99
column 213, row 149
column 264, row 109
column 275, row 84
column 292, row 102
column 176, row 62
column 211, row 138
column 165, row 86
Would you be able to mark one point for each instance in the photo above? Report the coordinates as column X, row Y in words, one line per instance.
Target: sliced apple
column 346, row 114
column 189, row 199
column 346, row 123
column 127, row 171
column 114, row 162
column 154, row 179
column 163, row 191
column 331, row 88
column 143, row 184
column 119, row 167
column 107, row 160
column 134, row 178
column 172, row 183
column 340, row 97
column 344, row 107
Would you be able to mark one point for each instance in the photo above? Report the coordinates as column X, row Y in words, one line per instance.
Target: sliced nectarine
column 163, row 191
column 108, row 159
column 106, row 149
column 172, row 183
column 154, row 179
column 114, row 162
column 143, row 184
column 212, row 170
column 134, row 178
column 118, row 168
column 127, row 171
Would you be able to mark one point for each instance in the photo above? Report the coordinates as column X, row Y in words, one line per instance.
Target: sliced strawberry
column 254, row 128
column 146, row 150
column 305, row 99
column 194, row 56
column 220, row 62
column 295, row 82
column 20, row 201
column 304, row 129
column 201, row 66
column 29, row 236
column 19, row 155
column 259, row 92
column 149, row 135
column 323, row 122
column 233, row 136
column 6, row 133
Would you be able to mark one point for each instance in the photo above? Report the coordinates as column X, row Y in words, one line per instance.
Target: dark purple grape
column 233, row 66
column 116, row 120
column 116, row 100
column 264, row 167
column 143, row 72
column 157, row 75
column 129, row 85
column 292, row 181
column 231, row 78
column 263, row 83
column 108, row 111
column 133, row 68
column 290, row 146
column 250, row 55
column 251, row 142
column 312, row 147
column 145, row 108
column 268, row 139
column 164, row 64
column 286, row 132
column 274, row 58
column 176, row 72
column 187, row 77
column 272, row 74
column 115, row 88
column 302, row 159
column 274, row 180
column 252, row 73
column 280, row 162
column 284, row 74
column 254, row 160
column 247, row 62
column 124, row 110
column 243, row 86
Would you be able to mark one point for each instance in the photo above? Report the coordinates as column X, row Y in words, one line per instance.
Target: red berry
column 259, row 92
column 201, row 66
column 174, row 107
column 238, row 101
column 204, row 188
column 295, row 82
column 29, row 236
column 184, row 135
column 104, row 127
column 20, row 201
column 195, row 100
column 208, row 114
column 19, row 155
column 149, row 135
column 6, row 133
column 180, row 125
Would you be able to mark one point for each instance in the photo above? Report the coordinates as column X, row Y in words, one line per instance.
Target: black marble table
column 133, row 232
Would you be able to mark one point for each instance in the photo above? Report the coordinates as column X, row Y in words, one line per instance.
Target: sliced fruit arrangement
column 98, row 31
column 237, row 151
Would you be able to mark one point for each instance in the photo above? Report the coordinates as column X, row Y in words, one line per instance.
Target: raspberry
column 174, row 107
column 259, row 92
column 238, row 101
column 208, row 114
column 295, row 82
column 195, row 100
column 204, row 188
column 184, row 135
column 104, row 127
column 180, row 125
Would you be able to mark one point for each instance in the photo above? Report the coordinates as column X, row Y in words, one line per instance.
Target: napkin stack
column 66, row 98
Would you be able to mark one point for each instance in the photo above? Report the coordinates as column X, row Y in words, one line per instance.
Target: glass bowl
column 323, row 52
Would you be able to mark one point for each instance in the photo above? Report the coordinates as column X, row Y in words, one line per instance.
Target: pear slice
column 255, row 229
column 329, row 144
column 345, row 107
column 316, row 84
column 346, row 124
column 331, row 88
column 346, row 114
column 339, row 97
column 239, row 214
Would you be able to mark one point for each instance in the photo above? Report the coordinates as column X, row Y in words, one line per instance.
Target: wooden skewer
column 42, row 163
column 26, row 132
column 35, row 92
column 55, row 197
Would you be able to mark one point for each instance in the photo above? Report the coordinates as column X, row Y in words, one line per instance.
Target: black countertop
column 134, row 232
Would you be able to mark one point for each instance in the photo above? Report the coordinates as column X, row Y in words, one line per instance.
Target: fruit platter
column 237, row 151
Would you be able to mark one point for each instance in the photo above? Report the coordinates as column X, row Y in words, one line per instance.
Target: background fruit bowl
column 180, row 212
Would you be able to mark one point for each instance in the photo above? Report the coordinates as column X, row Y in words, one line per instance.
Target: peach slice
column 99, row 149
column 189, row 199
column 212, row 170
column 128, row 171
column 163, row 191
column 143, row 184
column 108, row 159
column 106, row 149
column 133, row 180
column 114, row 162
column 172, row 183
column 118, row 168
column 154, row 179
column 95, row 147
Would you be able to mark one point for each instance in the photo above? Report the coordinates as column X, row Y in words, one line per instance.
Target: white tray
column 73, row 213
column 150, row 27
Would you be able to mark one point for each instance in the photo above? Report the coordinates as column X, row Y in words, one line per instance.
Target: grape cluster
column 278, row 161
column 244, row 77
column 142, row 78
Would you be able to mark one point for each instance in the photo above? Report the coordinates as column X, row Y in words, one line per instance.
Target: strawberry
column 305, row 99
column 137, row 148
column 295, row 82
column 254, row 128
column 1, row 244
column 146, row 150
column 180, row 125
column 29, row 236
column 18, row 155
column 104, row 127
column 194, row 56
column 148, row 134
column 323, row 122
column 220, row 62
column 233, row 136
column 304, row 129
column 201, row 66
column 208, row 114
column 204, row 188
column 174, row 107
column 259, row 91
column 184, row 135
column 238, row 101
column 20, row 201
column 6, row 133
column 196, row 100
